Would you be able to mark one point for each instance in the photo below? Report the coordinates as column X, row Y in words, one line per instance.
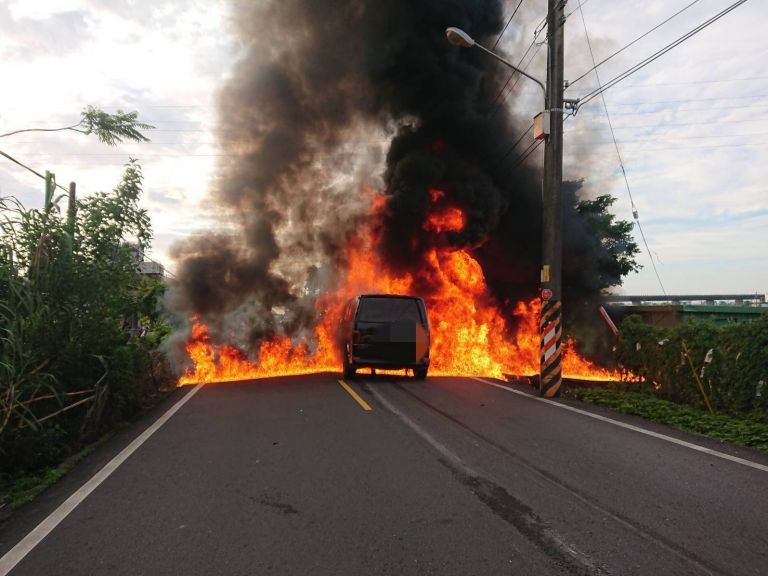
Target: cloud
column 692, row 133
column 691, row 127
column 29, row 38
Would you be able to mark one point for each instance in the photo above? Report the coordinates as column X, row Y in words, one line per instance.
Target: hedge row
column 730, row 360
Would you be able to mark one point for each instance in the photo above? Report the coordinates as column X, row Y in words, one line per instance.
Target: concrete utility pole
column 552, row 218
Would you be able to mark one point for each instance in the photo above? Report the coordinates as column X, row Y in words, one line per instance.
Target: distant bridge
column 737, row 298
column 672, row 310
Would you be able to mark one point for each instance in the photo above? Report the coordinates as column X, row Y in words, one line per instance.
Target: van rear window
column 389, row 310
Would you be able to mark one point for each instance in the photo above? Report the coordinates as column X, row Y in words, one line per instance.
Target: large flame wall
column 469, row 333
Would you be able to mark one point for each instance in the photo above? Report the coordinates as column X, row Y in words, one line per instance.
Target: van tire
column 420, row 373
column 348, row 370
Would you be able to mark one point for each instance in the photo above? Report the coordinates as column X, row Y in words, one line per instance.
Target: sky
column 690, row 127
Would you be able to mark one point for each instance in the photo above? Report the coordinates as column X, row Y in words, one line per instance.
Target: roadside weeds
column 741, row 431
column 18, row 490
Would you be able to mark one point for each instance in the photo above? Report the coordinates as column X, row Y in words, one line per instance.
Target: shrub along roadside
column 79, row 326
column 744, row 432
column 731, row 362
column 16, row 491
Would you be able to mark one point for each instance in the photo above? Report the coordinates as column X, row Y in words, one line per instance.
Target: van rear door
column 392, row 330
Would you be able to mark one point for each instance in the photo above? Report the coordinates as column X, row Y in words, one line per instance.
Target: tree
column 67, row 311
column 598, row 249
column 69, row 294
column 111, row 129
column 617, row 248
column 598, row 252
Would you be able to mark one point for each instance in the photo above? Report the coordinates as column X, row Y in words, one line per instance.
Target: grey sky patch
column 28, row 38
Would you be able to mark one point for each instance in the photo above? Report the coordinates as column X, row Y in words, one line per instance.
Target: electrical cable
column 749, row 107
column 682, row 101
column 635, row 41
column 35, row 172
column 678, row 138
column 718, row 81
column 144, row 255
column 497, row 101
column 507, row 24
column 665, row 126
column 527, row 152
column 762, row 145
column 581, row 4
column 531, row 147
column 642, row 64
column 500, row 96
column 511, row 148
column 635, row 213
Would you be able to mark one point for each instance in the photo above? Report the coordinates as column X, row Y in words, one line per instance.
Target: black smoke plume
column 329, row 98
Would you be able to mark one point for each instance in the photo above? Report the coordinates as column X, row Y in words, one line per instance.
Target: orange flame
column 449, row 220
column 469, row 334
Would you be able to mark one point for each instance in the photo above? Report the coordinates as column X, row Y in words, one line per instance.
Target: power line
column 500, row 96
column 642, row 64
column 635, row 213
column 706, row 147
column 507, row 24
column 665, row 126
column 36, row 173
column 144, row 255
column 32, row 170
column 121, row 154
column 152, row 143
column 511, row 148
column 653, row 102
column 540, row 28
column 581, row 4
column 707, row 109
column 531, row 148
column 496, row 105
column 699, row 137
column 635, row 41
column 527, row 152
column 719, row 81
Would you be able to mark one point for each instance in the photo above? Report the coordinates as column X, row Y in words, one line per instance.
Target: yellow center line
column 355, row 395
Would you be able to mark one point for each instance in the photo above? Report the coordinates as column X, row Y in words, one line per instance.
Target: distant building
column 145, row 266
column 152, row 269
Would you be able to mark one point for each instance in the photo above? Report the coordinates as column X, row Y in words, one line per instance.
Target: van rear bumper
column 387, row 364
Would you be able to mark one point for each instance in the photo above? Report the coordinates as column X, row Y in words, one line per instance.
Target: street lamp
column 458, row 37
column 551, row 129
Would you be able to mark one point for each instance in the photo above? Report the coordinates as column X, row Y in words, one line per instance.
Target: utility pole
column 552, row 218
column 72, row 209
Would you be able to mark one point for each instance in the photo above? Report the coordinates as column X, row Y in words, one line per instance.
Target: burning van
column 385, row 331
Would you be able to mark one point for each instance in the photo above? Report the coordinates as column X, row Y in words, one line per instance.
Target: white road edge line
column 28, row 543
column 690, row 445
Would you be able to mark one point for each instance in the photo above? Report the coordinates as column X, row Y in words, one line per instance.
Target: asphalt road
column 446, row 476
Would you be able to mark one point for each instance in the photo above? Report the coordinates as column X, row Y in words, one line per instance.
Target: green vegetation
column 16, row 491
column 740, row 431
column 617, row 250
column 725, row 368
column 79, row 325
column 730, row 361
